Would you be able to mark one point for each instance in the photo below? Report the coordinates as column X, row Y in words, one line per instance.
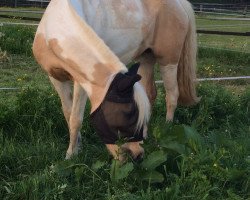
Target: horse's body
column 90, row 41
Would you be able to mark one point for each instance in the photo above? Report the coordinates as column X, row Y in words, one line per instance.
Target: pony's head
column 123, row 114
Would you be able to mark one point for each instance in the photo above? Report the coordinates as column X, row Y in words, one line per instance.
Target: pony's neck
column 104, row 64
column 96, row 44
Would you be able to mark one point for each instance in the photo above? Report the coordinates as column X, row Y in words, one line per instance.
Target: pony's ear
column 133, row 69
column 128, row 82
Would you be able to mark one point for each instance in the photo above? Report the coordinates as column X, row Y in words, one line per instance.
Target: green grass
column 21, row 71
column 237, row 43
column 213, row 163
column 17, row 39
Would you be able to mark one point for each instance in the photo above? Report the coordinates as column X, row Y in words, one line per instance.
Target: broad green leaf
column 125, row 170
column 194, row 140
column 63, row 168
column 79, row 173
column 154, row 159
column 152, row 176
column 179, row 132
column 174, row 146
column 120, row 172
column 98, row 165
column 192, row 134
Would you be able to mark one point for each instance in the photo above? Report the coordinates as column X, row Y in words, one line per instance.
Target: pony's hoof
column 68, row 156
column 169, row 118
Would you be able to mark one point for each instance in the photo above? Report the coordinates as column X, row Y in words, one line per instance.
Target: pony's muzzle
column 132, row 149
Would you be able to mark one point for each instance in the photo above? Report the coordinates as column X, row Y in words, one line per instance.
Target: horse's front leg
column 73, row 109
column 76, row 118
column 64, row 91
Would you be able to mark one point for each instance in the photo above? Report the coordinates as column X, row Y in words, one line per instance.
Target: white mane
column 143, row 104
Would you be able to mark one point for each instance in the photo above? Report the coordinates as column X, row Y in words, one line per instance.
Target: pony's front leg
column 73, row 111
column 169, row 76
column 76, row 118
column 64, row 91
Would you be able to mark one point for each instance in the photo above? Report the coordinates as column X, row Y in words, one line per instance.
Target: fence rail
column 222, row 9
column 21, row 11
column 161, row 82
column 213, row 32
column 224, row 33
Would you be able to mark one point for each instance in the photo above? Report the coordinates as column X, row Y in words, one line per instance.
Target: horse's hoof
column 67, row 157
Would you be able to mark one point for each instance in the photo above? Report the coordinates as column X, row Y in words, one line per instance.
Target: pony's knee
column 75, row 124
column 66, row 113
column 169, row 74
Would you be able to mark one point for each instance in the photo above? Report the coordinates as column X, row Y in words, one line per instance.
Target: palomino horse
column 89, row 42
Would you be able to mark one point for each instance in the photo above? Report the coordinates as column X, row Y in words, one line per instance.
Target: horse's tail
column 187, row 65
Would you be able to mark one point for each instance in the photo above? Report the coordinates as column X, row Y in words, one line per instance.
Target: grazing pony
column 89, row 42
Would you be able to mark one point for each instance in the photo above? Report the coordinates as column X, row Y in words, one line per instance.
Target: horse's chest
column 118, row 23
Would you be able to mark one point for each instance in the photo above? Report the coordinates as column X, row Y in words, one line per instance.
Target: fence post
column 15, row 3
column 201, row 7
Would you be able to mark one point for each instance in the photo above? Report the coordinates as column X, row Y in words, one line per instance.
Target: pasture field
column 203, row 154
column 18, row 16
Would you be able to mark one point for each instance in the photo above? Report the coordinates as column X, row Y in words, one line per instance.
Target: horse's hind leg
column 169, row 40
column 146, row 70
column 169, row 76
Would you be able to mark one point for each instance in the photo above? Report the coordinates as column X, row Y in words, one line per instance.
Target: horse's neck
column 106, row 63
